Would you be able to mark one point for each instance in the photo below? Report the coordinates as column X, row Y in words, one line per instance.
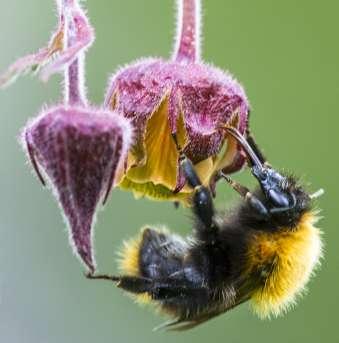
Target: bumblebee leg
column 176, row 204
column 131, row 284
column 157, row 289
column 202, row 198
column 247, row 195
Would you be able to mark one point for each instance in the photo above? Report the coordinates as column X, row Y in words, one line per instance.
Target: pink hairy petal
column 83, row 39
column 32, row 62
column 47, row 58
column 207, row 96
column 80, row 150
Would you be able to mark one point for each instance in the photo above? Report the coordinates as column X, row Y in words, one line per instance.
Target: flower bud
column 80, row 150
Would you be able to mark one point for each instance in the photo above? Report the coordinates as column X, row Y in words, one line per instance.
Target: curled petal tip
column 84, row 37
column 55, row 56
column 33, row 159
column 22, row 66
column 33, row 62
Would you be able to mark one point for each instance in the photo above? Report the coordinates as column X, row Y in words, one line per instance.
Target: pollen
column 289, row 257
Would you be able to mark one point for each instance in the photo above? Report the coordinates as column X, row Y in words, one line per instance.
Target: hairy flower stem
column 74, row 83
column 74, row 92
column 188, row 33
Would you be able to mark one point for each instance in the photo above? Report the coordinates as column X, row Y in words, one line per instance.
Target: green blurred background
column 286, row 55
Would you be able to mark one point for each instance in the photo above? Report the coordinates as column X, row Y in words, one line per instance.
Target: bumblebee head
column 285, row 200
column 280, row 191
column 280, row 197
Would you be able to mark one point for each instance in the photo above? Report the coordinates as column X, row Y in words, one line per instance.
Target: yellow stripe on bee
column 129, row 258
column 293, row 255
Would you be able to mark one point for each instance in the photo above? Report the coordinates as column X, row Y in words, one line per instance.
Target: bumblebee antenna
column 317, row 194
column 246, row 195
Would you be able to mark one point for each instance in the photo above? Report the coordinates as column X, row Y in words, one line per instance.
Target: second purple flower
column 80, row 149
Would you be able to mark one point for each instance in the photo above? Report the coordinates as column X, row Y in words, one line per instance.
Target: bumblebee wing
column 178, row 325
column 183, row 324
column 244, row 289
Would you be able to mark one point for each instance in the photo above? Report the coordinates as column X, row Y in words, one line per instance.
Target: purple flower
column 183, row 96
column 81, row 150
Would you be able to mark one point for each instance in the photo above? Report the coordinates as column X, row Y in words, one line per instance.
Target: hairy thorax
column 285, row 261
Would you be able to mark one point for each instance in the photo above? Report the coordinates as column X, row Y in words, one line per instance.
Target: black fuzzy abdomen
column 160, row 254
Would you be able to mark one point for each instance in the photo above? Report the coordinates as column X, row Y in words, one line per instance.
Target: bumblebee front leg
column 202, row 198
column 157, row 289
column 247, row 195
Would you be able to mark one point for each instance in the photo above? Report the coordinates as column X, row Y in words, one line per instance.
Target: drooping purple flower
column 183, row 96
column 80, row 149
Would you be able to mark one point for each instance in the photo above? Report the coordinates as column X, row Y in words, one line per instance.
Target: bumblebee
column 264, row 250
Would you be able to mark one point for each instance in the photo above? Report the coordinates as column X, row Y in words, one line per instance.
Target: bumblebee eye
column 278, row 198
